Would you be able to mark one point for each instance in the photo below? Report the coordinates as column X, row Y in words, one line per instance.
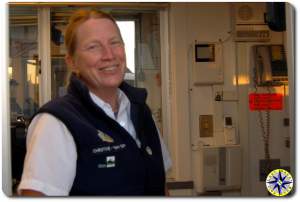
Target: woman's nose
column 107, row 53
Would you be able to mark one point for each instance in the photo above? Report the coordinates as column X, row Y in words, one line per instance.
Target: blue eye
column 116, row 43
column 93, row 47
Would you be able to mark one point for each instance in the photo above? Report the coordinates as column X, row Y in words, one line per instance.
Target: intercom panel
column 207, row 63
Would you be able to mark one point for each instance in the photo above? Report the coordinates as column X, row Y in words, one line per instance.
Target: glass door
column 23, row 79
column 23, row 64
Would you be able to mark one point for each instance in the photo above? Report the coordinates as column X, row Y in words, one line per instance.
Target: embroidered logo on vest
column 104, row 137
column 110, row 161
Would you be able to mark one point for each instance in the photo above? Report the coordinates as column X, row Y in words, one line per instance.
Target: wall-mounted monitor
column 204, row 52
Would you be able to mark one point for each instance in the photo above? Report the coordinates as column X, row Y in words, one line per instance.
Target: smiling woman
column 140, row 39
column 140, row 32
column 100, row 112
column 99, row 57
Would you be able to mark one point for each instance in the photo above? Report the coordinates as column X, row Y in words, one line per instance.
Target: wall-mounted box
column 222, row 168
column 207, row 63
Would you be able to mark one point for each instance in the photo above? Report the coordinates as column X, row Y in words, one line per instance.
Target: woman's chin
column 111, row 83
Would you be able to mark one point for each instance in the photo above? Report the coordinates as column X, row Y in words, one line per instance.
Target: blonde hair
column 78, row 18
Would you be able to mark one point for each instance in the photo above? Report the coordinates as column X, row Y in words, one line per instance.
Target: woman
column 99, row 139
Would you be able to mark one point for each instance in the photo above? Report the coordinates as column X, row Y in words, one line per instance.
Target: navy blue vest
column 109, row 161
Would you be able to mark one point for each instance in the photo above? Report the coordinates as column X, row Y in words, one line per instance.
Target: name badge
column 110, row 148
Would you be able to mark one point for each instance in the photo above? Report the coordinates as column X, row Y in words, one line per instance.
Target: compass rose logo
column 279, row 182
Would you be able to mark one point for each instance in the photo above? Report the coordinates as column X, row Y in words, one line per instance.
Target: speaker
column 275, row 16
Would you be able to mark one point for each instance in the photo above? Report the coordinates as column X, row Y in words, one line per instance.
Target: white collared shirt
column 50, row 162
column 123, row 116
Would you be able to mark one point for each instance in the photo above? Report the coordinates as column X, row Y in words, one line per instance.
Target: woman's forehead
column 102, row 24
column 99, row 27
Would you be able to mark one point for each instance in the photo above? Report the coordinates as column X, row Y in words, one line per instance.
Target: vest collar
column 135, row 95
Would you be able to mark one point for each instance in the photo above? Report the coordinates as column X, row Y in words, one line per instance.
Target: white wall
column 205, row 22
column 210, row 22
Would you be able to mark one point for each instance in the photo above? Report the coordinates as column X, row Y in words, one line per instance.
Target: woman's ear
column 70, row 63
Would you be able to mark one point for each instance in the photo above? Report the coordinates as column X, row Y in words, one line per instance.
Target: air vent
column 247, row 33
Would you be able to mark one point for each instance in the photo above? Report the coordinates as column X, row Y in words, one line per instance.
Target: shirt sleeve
column 165, row 153
column 50, row 162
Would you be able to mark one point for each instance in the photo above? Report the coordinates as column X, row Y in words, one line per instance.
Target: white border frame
column 290, row 50
column 5, row 117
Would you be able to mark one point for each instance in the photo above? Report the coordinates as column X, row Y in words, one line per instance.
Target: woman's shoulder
column 60, row 102
column 60, row 107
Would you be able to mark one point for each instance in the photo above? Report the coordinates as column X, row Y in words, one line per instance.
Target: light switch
column 206, row 125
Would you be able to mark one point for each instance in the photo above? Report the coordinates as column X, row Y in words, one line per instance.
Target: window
column 127, row 29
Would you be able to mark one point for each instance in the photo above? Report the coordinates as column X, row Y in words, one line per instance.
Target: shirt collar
column 122, row 100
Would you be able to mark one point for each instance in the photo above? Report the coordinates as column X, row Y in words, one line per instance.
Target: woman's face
column 100, row 55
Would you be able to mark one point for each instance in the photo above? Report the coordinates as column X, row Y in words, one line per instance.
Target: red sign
column 265, row 101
